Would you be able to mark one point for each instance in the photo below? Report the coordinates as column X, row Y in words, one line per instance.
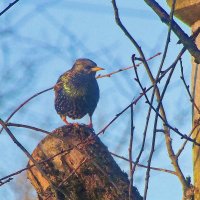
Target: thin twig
column 35, row 129
column 168, row 140
column 187, row 87
column 162, row 111
column 6, row 181
column 24, row 103
column 153, row 140
column 183, row 136
column 8, row 7
column 163, row 115
column 30, row 166
column 9, row 177
column 161, row 108
column 48, row 89
column 185, row 142
column 188, row 43
column 73, row 172
column 101, row 131
column 130, row 155
column 143, row 93
column 29, row 127
column 61, row 138
column 144, row 166
column 54, row 188
column 145, row 129
column 126, row 68
column 166, row 124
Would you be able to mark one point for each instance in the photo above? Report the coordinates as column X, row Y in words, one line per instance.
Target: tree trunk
column 189, row 12
column 84, row 170
column 196, row 117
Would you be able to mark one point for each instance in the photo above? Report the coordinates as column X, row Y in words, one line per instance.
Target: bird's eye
column 87, row 68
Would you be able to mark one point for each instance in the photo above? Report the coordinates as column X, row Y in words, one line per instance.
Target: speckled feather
column 77, row 94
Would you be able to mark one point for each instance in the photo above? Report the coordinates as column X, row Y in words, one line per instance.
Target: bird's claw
column 76, row 125
column 90, row 125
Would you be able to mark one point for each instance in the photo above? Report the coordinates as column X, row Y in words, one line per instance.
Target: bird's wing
column 57, row 87
column 92, row 97
column 63, row 78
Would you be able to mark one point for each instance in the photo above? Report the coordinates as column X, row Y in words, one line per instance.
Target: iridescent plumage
column 77, row 91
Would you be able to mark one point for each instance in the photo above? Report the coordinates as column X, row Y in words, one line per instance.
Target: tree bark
column 196, row 118
column 84, row 170
column 188, row 11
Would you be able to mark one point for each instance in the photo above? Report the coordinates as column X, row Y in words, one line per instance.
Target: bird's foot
column 65, row 120
column 76, row 125
column 90, row 125
column 69, row 124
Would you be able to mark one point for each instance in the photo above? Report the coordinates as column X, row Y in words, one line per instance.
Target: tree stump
column 83, row 170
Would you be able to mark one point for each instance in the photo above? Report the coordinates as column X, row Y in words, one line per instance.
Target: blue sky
column 41, row 40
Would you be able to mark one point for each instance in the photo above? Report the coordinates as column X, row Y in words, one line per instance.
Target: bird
column 77, row 91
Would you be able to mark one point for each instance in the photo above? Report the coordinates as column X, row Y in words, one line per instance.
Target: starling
column 77, row 91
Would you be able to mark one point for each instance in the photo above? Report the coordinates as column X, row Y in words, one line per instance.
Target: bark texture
column 84, row 170
column 196, row 118
column 189, row 12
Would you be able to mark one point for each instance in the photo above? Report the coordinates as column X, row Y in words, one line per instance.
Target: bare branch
column 30, row 166
column 24, row 103
column 8, row 7
column 187, row 87
column 126, row 68
column 33, row 128
column 188, row 43
column 6, row 181
column 130, row 154
column 48, row 89
column 185, row 142
column 54, row 188
column 160, row 107
column 144, row 166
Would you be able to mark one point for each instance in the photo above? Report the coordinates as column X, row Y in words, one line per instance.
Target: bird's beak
column 96, row 68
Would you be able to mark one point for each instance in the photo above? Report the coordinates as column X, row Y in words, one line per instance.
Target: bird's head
column 86, row 66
